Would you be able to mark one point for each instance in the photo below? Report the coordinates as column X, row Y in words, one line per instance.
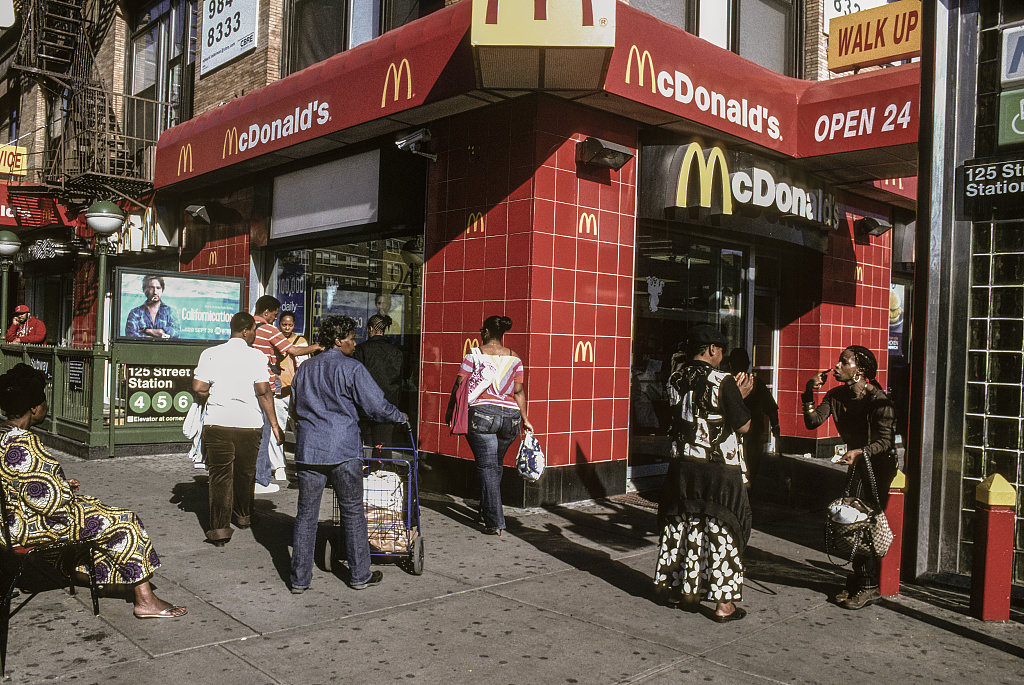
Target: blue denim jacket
column 325, row 393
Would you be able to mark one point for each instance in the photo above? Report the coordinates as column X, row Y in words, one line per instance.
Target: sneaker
column 298, row 590
column 198, row 465
column 375, row 579
column 280, row 474
column 266, row 489
column 862, row 598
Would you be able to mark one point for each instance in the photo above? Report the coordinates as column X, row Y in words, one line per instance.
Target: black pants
column 231, row 458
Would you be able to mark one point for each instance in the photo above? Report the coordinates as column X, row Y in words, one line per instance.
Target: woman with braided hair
column 864, row 416
column 45, row 505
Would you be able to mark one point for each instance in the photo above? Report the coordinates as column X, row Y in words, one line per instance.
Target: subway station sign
column 990, row 189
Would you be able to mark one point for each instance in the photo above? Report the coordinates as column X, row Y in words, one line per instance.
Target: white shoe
column 280, row 474
column 198, row 465
column 266, row 489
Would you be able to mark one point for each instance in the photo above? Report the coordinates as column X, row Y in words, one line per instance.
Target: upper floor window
column 318, row 29
column 763, row 31
column 162, row 57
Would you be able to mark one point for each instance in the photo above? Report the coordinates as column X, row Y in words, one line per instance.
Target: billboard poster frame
column 196, row 294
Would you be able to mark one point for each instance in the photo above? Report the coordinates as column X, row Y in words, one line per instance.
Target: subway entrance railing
column 131, row 394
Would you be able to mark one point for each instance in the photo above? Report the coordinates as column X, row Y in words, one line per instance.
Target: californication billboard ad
column 174, row 307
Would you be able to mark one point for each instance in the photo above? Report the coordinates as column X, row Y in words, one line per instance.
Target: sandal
column 736, row 615
column 169, row 612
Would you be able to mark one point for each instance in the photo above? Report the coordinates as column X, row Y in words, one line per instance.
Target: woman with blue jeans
column 497, row 409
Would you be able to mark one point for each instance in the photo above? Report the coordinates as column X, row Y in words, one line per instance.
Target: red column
column 993, row 549
column 889, row 583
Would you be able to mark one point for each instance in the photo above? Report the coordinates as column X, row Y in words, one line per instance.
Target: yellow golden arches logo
column 587, row 223
column 469, row 344
column 397, row 71
column 643, row 59
column 860, row 273
column 476, row 221
column 185, row 159
column 706, row 175
column 230, row 146
column 584, row 352
column 213, row 258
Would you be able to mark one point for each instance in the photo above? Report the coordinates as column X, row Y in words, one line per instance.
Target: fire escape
column 105, row 142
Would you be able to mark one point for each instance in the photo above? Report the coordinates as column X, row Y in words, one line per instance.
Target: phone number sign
column 158, row 394
column 228, row 31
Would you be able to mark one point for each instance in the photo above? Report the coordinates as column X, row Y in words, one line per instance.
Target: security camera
column 414, row 142
column 411, row 142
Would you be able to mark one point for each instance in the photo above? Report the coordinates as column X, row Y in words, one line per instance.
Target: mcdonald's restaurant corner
column 606, row 195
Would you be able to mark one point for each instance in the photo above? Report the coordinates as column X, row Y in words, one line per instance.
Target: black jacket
column 384, row 362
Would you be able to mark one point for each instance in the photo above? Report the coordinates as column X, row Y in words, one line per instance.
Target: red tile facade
column 516, row 227
column 847, row 305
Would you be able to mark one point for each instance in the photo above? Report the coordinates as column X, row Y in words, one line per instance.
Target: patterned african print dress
column 43, row 509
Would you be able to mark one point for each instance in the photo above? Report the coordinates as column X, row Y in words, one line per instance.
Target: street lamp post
column 9, row 246
column 103, row 218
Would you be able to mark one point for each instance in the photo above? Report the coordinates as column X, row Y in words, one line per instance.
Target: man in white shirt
column 231, row 379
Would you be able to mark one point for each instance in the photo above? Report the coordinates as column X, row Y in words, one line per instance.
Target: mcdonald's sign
column 230, row 146
column 584, row 352
column 587, row 223
column 859, row 273
column 213, row 258
column 185, row 159
column 706, row 176
column 476, row 221
column 469, row 344
column 397, row 71
column 643, row 59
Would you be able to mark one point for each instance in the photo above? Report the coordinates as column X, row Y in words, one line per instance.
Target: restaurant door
column 681, row 281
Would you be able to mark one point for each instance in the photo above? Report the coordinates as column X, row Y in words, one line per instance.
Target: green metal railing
column 87, row 390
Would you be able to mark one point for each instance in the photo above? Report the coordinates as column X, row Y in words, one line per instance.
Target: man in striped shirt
column 272, row 343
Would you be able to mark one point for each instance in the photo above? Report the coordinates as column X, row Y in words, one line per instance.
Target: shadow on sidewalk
column 271, row 529
column 551, row 540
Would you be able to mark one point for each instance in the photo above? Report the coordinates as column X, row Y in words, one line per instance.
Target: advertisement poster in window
column 229, row 31
column 174, row 307
column 291, row 288
column 358, row 305
column 897, row 292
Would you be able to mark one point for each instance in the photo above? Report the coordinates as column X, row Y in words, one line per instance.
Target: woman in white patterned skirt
column 704, row 513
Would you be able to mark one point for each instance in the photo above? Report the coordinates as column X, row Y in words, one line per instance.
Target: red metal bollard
column 889, row 576
column 993, row 549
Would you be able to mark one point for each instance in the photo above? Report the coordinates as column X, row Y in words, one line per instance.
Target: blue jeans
column 347, row 479
column 491, row 431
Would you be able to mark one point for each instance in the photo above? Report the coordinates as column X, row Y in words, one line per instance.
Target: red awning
column 658, row 74
column 404, row 69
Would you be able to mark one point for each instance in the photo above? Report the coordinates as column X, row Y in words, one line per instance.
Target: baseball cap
column 703, row 334
column 21, row 309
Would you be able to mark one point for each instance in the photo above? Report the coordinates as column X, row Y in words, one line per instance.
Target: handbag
column 459, row 413
column 530, row 460
column 868, row 534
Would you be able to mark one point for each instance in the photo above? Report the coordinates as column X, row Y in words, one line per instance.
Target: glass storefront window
column 358, row 279
column 681, row 281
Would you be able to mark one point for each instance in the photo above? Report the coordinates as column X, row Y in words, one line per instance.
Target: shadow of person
column 194, row 497
column 273, row 530
column 765, row 567
column 596, row 562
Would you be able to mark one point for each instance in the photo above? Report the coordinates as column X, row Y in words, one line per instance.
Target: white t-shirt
column 232, row 369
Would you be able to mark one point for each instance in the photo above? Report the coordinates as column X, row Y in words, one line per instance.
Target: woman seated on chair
column 45, row 507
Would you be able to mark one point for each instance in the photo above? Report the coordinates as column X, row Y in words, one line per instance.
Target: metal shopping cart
column 391, row 501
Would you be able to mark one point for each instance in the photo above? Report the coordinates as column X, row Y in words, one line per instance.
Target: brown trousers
column 231, row 458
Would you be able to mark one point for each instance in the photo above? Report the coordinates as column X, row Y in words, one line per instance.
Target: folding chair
column 17, row 558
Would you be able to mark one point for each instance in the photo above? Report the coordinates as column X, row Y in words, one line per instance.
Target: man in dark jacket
column 384, row 361
column 328, row 392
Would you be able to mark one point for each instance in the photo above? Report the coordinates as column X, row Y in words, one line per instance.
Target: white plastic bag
column 383, row 489
column 530, row 460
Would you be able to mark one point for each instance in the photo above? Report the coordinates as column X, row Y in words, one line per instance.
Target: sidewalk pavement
column 564, row 596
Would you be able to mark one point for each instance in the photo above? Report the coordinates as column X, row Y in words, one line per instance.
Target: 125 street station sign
column 990, row 189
